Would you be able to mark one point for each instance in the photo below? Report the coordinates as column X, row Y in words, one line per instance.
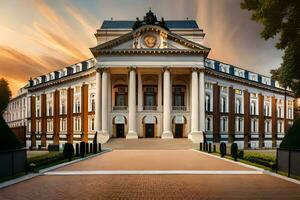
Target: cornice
column 246, row 82
column 65, row 79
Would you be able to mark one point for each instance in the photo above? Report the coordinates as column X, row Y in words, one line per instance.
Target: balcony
column 118, row 108
column 149, row 107
column 179, row 108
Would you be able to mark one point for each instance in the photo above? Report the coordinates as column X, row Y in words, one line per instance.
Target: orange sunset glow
column 39, row 36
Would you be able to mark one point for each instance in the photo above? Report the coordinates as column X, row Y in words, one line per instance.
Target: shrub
column 82, row 149
column 68, row 151
column 53, row 147
column 292, row 139
column 234, row 151
column 240, row 154
column 223, row 149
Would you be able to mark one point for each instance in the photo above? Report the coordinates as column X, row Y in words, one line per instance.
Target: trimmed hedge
column 68, row 151
column 42, row 160
column 261, row 159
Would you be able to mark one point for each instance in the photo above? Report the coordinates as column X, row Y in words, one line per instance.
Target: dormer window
column 224, row 68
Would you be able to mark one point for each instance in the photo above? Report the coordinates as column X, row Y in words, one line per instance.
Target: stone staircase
column 150, row 143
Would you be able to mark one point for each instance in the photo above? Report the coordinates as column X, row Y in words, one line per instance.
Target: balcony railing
column 182, row 108
column 120, row 108
column 149, row 107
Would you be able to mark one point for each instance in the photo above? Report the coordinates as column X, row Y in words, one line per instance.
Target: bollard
column 214, row 148
column 87, row 148
column 91, row 147
column 77, row 149
column 201, row 145
column 99, row 149
column 209, row 148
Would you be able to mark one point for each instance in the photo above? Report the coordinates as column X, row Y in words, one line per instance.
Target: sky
column 40, row 36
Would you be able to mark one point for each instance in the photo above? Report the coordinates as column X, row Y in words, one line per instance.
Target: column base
column 102, row 137
column 196, row 136
column 167, row 135
column 131, row 135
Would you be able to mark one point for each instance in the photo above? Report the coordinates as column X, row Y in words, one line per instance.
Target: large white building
column 152, row 78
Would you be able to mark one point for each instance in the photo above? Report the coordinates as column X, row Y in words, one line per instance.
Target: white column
column 104, row 135
column 98, row 101
column 196, row 136
column 201, row 101
column 167, row 133
column 195, row 100
column 140, row 92
column 132, row 134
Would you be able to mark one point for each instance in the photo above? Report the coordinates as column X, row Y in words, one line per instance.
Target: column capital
column 166, row 68
column 101, row 69
column 130, row 68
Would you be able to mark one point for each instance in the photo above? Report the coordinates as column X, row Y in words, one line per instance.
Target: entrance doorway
column 149, row 128
column 178, row 130
column 120, row 130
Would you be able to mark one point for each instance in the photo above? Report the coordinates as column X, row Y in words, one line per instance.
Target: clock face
column 150, row 41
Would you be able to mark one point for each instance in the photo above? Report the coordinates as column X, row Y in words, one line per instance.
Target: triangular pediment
column 150, row 38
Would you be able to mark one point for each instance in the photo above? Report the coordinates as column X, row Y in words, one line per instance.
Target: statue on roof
column 149, row 19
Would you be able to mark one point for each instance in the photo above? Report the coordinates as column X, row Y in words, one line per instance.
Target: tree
column 281, row 18
column 5, row 95
column 8, row 139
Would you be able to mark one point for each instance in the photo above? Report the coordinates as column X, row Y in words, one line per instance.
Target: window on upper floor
column 267, row 126
column 238, row 106
column 223, row 106
column 178, row 96
column 207, row 102
column 253, row 107
column 92, row 101
column 239, row 124
column 77, row 105
column 223, row 124
column 224, row 68
column 254, row 125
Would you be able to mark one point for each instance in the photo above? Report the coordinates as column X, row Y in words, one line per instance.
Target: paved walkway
column 141, row 186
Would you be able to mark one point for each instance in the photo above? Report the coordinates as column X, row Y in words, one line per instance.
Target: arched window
column 63, row 107
column 223, row 104
column 92, row 102
column 238, row 106
column 77, row 106
column 253, row 108
column 207, row 102
column 279, row 112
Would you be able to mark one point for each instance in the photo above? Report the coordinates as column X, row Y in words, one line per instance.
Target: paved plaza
column 153, row 174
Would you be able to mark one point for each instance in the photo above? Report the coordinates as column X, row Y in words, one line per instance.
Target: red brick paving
column 153, row 160
column 153, row 187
